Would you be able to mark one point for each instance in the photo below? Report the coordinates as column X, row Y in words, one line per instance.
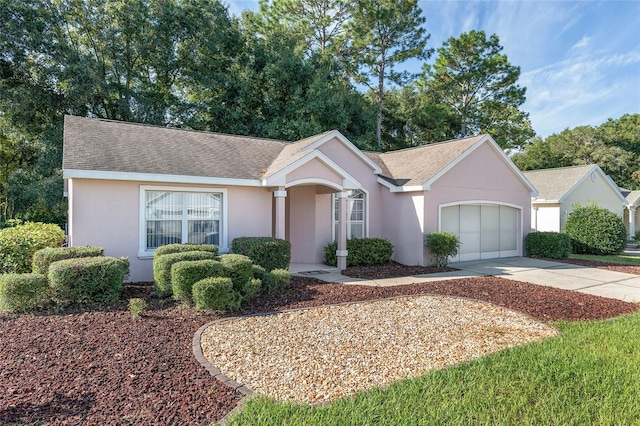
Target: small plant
column 137, row 306
column 441, row 246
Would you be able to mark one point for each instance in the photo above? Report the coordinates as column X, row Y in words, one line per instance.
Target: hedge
column 273, row 282
column 45, row 257
column 87, row 280
column 216, row 294
column 18, row 244
column 552, row 245
column 181, row 248
column 595, row 230
column 23, row 292
column 361, row 251
column 162, row 267
column 270, row 253
column 186, row 273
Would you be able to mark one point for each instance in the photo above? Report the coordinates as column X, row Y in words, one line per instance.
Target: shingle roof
column 415, row 166
column 633, row 197
column 105, row 145
column 553, row 184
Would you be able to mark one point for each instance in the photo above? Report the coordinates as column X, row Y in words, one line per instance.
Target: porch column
column 280, row 196
column 341, row 238
column 632, row 221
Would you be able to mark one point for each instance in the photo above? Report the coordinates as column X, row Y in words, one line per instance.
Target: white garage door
column 486, row 231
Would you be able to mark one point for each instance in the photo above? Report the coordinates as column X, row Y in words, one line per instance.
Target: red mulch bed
column 103, row 367
column 629, row 269
column 390, row 270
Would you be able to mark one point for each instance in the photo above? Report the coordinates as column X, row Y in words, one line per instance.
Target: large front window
column 181, row 217
column 355, row 214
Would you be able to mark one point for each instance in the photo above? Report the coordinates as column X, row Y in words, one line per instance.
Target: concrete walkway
column 599, row 282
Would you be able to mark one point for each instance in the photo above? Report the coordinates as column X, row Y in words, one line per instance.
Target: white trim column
column 632, row 221
column 341, row 238
column 280, row 195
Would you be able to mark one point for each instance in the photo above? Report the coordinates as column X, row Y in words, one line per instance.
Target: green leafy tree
column 473, row 78
column 614, row 146
column 382, row 35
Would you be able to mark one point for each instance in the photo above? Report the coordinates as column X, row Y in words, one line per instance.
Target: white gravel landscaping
column 318, row 354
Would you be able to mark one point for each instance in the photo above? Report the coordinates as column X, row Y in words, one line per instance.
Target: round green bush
column 87, row 280
column 18, row 244
column 595, row 230
column 181, row 248
column 216, row 294
column 361, row 251
column 441, row 246
column 186, row 273
column 239, row 269
column 23, row 292
column 162, row 268
column 46, row 256
column 551, row 245
column 270, row 253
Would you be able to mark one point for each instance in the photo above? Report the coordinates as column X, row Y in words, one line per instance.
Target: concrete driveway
column 599, row 282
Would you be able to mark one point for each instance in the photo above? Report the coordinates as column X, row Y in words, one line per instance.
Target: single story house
column 632, row 212
column 133, row 187
column 559, row 189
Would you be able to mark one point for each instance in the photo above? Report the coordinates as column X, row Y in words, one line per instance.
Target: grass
column 622, row 259
column 589, row 375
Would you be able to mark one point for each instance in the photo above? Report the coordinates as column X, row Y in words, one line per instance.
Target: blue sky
column 579, row 60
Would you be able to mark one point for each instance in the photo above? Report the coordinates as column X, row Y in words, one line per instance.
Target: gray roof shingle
column 553, row 184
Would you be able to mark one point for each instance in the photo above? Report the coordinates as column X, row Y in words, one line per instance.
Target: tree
column 473, row 78
column 614, row 146
column 382, row 35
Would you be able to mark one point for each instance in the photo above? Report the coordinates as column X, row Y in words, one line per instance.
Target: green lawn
column 588, row 376
column 622, row 259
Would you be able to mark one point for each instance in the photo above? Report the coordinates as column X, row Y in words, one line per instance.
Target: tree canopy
column 293, row 69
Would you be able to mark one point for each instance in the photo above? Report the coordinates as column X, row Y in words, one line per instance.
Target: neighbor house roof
column 554, row 185
column 633, row 197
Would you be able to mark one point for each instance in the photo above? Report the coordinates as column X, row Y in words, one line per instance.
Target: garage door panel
column 485, row 231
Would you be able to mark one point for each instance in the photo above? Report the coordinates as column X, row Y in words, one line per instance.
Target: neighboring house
column 561, row 188
column 132, row 188
column 632, row 212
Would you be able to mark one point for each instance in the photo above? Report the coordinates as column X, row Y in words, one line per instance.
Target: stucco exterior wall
column 403, row 225
column 106, row 213
column 588, row 191
column 545, row 218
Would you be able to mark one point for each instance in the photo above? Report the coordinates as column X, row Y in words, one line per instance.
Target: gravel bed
column 318, row 354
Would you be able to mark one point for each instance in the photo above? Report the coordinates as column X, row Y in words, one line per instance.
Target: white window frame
column 143, row 252
column 365, row 219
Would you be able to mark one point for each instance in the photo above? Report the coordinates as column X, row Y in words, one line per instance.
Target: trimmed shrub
column 274, row 282
column 46, row 256
column 19, row 243
column 137, row 306
column 162, row 267
column 216, row 294
column 270, row 253
column 441, row 246
column 87, row 280
column 361, row 252
column 23, row 292
column 552, row 245
column 239, row 269
column 181, row 248
column 595, row 230
column 186, row 273
column 251, row 289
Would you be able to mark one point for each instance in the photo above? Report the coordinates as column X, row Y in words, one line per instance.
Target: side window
column 355, row 214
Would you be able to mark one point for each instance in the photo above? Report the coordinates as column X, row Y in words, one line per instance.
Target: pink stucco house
column 134, row 187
